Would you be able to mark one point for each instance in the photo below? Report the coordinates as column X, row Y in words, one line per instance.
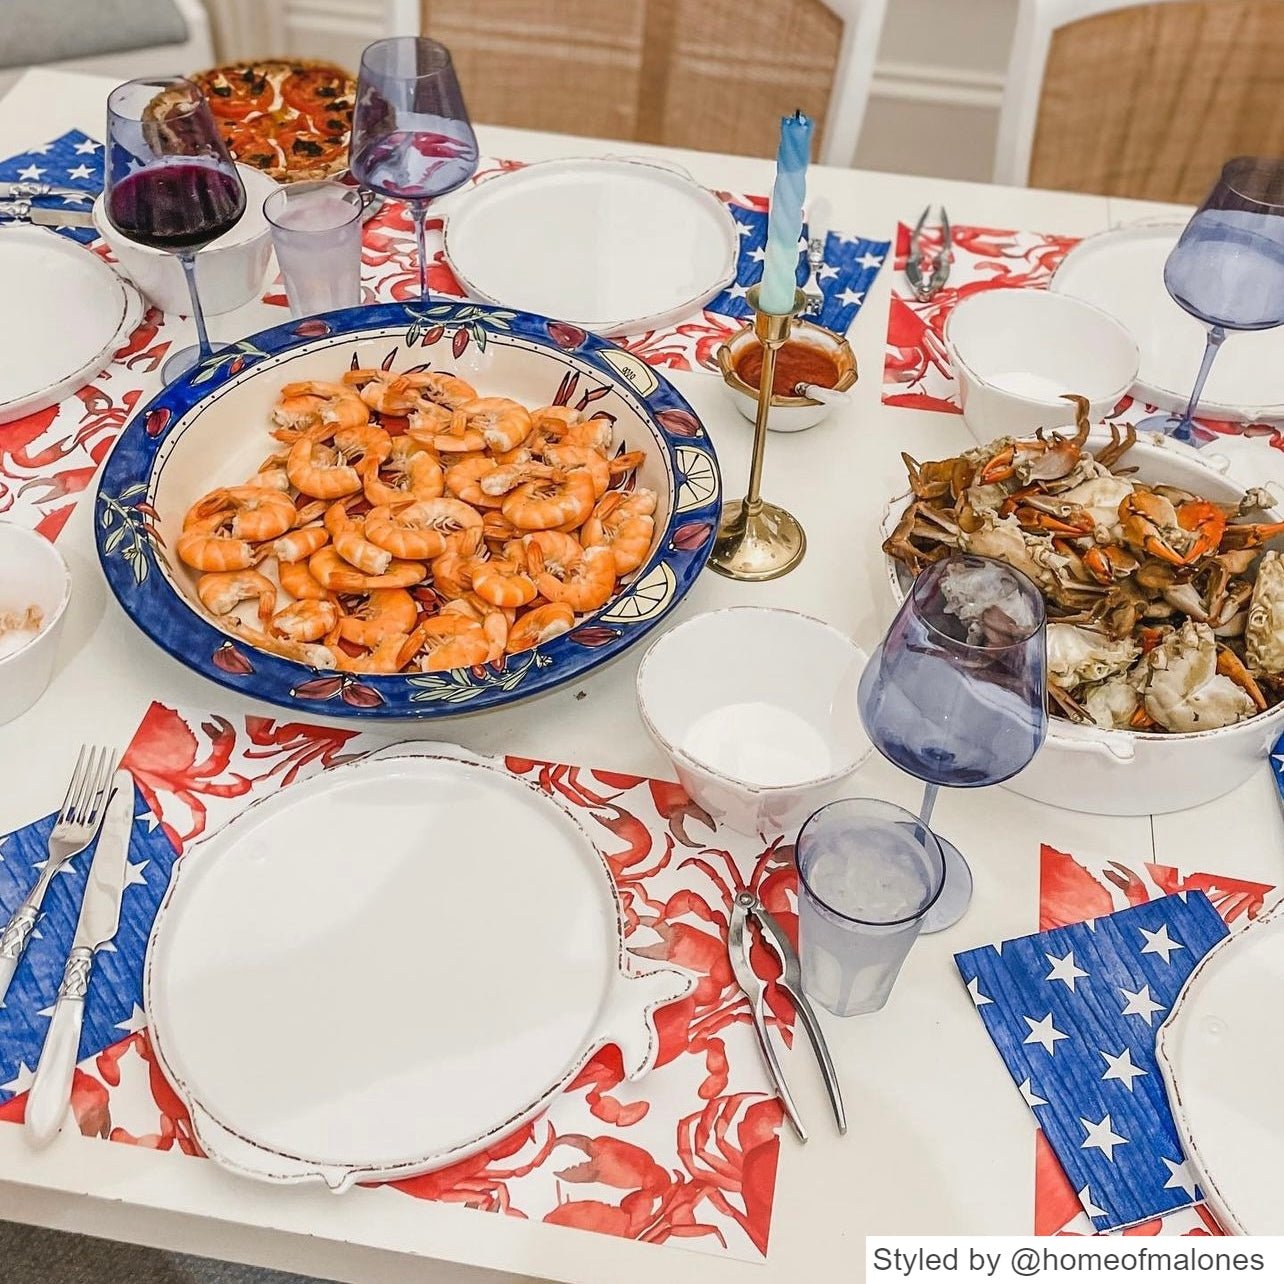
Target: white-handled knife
column 26, row 212
column 99, row 918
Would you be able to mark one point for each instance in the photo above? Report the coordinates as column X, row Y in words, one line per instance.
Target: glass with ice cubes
column 868, row 871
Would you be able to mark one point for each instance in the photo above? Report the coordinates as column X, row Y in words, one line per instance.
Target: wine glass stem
column 929, row 802
column 189, row 271
column 1215, row 337
column 421, row 238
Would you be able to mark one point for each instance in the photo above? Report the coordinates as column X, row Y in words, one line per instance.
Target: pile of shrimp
column 406, row 524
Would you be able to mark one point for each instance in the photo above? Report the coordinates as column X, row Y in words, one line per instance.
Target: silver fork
column 78, row 820
column 816, row 228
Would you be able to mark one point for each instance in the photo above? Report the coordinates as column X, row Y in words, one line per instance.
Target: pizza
column 290, row 118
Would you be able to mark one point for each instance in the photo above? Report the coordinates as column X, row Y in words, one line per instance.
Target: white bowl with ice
column 756, row 709
column 1016, row 353
column 35, row 587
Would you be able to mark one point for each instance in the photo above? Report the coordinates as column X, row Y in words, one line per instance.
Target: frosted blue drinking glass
column 956, row 694
column 1227, row 268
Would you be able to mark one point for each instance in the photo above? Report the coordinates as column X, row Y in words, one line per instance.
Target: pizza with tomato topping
column 290, row 118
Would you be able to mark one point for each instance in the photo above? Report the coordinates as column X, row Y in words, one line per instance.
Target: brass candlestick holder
column 758, row 540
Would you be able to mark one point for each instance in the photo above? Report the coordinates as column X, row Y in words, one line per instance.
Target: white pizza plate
column 616, row 246
column 63, row 312
column 1122, row 273
column 1220, row 1051
column 387, row 968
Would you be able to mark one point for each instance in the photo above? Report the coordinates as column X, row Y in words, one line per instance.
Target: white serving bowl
column 229, row 271
column 1015, row 352
column 788, row 414
column 756, row 709
column 1130, row 773
column 32, row 573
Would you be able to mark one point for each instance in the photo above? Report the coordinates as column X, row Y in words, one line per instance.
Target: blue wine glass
column 955, row 693
column 1227, row 268
column 170, row 183
column 411, row 136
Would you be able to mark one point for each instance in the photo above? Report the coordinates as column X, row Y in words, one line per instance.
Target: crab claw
column 1249, row 535
column 1229, row 664
column 999, row 467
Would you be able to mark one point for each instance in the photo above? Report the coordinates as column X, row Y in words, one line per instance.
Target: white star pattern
column 1044, row 1033
column 33, row 173
column 1160, row 943
column 87, row 148
column 974, row 989
column 75, row 198
column 1030, row 1097
column 851, row 298
column 22, row 1081
column 1141, row 1004
column 1102, row 1137
column 758, row 255
column 869, row 261
column 826, row 272
column 42, row 150
column 47, row 1013
column 1085, row 1198
column 134, row 873
column 1064, row 969
column 1122, row 1068
column 80, row 171
column 148, row 818
column 1179, row 1176
column 68, row 867
column 743, row 228
column 737, row 291
column 135, row 1021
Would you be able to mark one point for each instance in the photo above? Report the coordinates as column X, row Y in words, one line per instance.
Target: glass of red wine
column 170, row 183
column 411, row 136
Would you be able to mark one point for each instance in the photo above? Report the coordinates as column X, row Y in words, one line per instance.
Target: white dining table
column 938, row 1142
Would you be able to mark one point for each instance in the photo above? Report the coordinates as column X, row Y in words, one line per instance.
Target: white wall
column 936, row 90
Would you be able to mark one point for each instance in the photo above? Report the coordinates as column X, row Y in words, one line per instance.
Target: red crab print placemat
column 916, row 365
column 1073, row 889
column 688, row 1154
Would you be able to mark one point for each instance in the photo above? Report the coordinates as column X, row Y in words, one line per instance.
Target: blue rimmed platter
column 211, row 429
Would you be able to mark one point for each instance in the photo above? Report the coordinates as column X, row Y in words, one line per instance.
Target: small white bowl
column 756, row 709
column 32, row 573
column 229, row 271
column 1015, row 352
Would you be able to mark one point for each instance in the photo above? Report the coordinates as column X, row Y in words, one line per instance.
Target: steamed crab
column 1166, row 612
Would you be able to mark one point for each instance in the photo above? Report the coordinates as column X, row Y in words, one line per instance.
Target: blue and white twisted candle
column 784, row 226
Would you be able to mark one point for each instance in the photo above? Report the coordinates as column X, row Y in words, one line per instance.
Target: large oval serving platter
column 618, row 246
column 389, row 967
column 1220, row 1051
column 211, row 429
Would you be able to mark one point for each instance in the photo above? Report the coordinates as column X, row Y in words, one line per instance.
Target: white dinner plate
column 1220, row 1051
column 386, row 968
column 615, row 246
column 63, row 312
column 1122, row 272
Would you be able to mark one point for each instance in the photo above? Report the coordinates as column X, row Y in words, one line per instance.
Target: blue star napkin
column 74, row 160
column 850, row 265
column 113, row 1006
column 1073, row 1013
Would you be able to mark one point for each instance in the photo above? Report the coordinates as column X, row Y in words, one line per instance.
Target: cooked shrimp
column 306, row 621
column 386, row 657
column 443, row 389
column 272, row 474
column 553, row 501
column 419, row 530
column 508, row 477
column 387, row 393
column 540, row 625
column 365, row 444
column 452, row 570
column 596, row 434
column 617, row 525
column 583, row 578
column 319, row 472
column 301, row 411
column 594, row 462
column 340, row 408
column 300, row 543
column 502, row 582
column 460, row 437
column 463, row 480
column 450, row 641
column 411, row 472
column 256, row 513
column 554, row 420
column 312, row 654
column 332, row 572
column 299, row 582
column 204, row 547
column 223, row 591
column 351, row 543
column 383, row 612
column 504, row 424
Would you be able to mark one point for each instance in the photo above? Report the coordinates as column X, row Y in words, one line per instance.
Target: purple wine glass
column 411, row 136
column 1227, row 268
column 955, row 694
column 170, row 183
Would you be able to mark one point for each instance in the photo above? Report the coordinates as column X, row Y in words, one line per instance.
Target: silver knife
column 99, row 919
column 26, row 212
column 10, row 191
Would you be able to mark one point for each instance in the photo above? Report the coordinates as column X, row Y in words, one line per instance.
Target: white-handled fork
column 78, row 820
